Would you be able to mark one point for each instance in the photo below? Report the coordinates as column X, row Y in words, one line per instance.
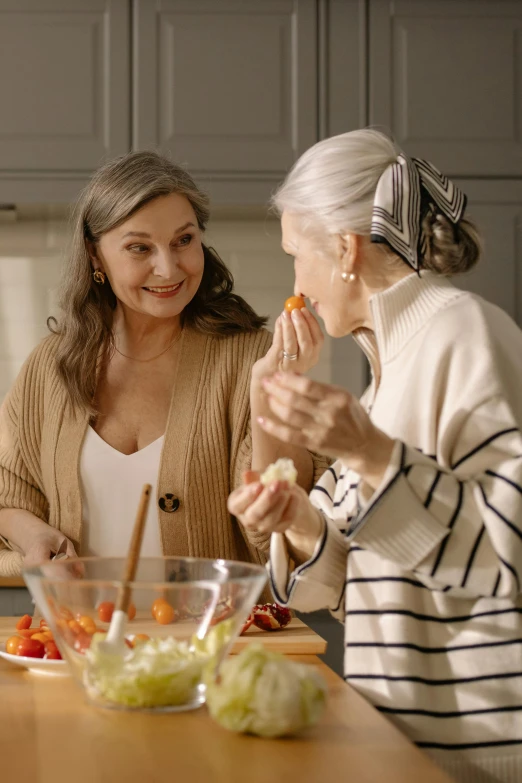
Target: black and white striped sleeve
column 319, row 582
column 458, row 527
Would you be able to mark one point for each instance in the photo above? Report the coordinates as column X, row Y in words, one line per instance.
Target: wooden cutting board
column 296, row 639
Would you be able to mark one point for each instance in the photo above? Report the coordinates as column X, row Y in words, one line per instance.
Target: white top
column 111, row 484
column 426, row 571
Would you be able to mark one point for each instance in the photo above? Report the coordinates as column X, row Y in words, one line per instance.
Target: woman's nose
column 165, row 262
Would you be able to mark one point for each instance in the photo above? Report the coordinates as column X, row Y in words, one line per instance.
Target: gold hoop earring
column 98, row 276
column 349, row 277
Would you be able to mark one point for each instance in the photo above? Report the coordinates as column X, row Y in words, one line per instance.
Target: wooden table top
column 12, row 581
column 49, row 734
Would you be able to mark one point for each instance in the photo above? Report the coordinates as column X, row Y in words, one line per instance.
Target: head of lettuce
column 264, row 693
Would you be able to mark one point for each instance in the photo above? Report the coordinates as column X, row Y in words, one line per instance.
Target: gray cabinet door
column 64, row 90
column 343, row 72
column 496, row 207
column 445, row 79
column 226, row 87
column 343, row 88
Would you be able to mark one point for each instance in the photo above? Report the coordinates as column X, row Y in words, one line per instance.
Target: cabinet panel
column 445, row 79
column 227, row 88
column 65, row 103
column 496, row 207
column 343, row 52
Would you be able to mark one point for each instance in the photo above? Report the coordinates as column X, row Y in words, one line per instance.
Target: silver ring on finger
column 290, row 356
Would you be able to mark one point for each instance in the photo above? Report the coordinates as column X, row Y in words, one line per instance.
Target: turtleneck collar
column 401, row 310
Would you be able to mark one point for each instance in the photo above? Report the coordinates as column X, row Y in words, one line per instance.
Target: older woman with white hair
column 413, row 537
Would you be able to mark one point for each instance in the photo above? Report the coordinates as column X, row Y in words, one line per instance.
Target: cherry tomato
column 88, row 624
column 11, row 645
column 131, row 612
column 75, row 626
column 82, row 641
column 40, row 637
column 24, row 622
column 31, row 648
column 52, row 652
column 105, row 610
column 156, row 605
column 141, row 637
column 26, row 633
column 165, row 614
column 294, row 303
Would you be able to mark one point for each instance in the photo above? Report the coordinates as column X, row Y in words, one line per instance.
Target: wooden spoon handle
column 133, row 556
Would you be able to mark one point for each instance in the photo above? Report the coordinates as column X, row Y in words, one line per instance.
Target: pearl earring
column 349, row 277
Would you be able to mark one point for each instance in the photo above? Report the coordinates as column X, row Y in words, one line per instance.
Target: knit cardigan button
column 168, row 502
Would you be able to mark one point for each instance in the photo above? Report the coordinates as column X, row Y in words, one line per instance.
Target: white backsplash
column 33, row 251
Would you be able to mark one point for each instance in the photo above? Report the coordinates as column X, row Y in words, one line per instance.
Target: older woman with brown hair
column 413, row 537
column 148, row 377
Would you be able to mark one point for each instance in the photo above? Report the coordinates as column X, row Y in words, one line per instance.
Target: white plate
column 36, row 665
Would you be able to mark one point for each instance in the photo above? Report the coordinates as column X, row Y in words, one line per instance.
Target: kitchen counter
column 49, row 734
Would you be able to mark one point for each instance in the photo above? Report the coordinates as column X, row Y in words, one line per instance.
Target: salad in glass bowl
column 184, row 617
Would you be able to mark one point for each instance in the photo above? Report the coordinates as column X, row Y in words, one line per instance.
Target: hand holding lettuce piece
column 264, row 693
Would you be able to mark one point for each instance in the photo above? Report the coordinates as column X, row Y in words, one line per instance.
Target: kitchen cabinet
column 496, row 207
column 64, row 93
column 342, row 99
column 227, row 88
column 445, row 78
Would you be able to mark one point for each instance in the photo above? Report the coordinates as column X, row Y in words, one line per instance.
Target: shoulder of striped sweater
column 470, row 322
column 477, row 346
column 467, row 305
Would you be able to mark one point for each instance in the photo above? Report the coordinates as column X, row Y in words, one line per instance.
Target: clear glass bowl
column 202, row 605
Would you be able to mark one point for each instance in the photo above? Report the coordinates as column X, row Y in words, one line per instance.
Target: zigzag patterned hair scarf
column 404, row 192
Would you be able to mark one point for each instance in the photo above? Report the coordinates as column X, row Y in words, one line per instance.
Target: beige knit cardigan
column 207, row 446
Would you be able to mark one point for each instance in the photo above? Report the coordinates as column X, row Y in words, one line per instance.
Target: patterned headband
column 400, row 201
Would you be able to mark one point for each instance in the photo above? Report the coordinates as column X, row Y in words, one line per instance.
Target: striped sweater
column 425, row 571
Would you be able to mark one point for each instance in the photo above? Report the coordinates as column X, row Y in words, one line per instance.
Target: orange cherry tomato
column 24, row 622
column 11, row 645
column 165, row 614
column 41, row 637
column 88, row 624
column 31, row 648
column 141, row 637
column 156, row 605
column 294, row 303
column 131, row 613
column 105, row 610
column 75, row 626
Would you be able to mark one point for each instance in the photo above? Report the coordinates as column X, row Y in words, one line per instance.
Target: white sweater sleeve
column 317, row 584
column 459, row 528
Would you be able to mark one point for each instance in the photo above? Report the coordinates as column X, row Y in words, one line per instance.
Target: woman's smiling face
column 154, row 260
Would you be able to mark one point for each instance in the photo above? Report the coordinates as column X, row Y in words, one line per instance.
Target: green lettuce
column 264, row 693
column 157, row 673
